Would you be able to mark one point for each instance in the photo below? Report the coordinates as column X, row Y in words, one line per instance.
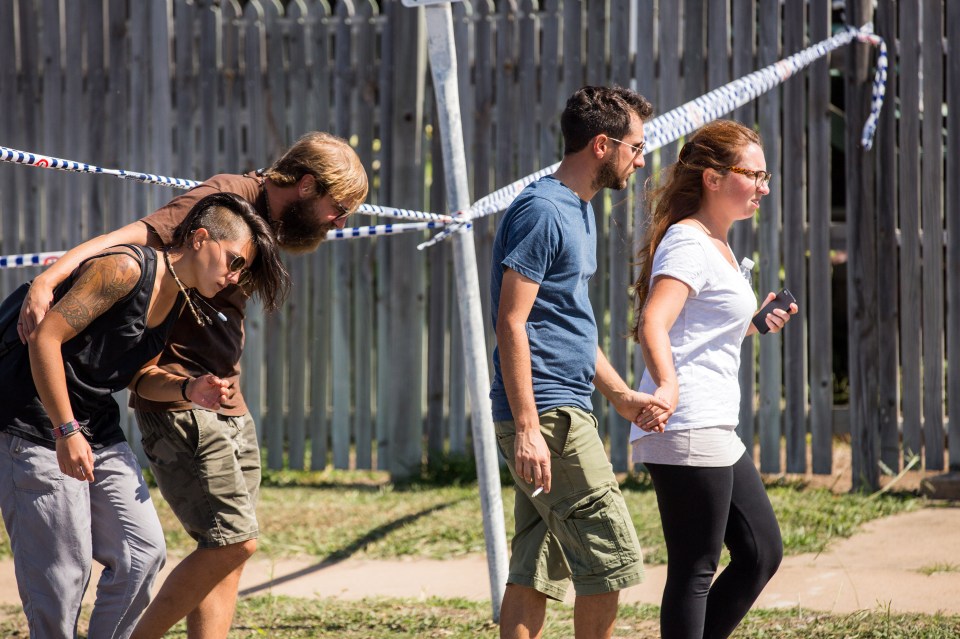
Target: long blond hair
column 716, row 146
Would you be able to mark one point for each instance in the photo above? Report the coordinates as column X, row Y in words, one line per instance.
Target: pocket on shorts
column 598, row 540
column 35, row 468
column 166, row 438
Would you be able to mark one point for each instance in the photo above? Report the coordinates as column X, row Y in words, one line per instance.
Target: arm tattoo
column 98, row 288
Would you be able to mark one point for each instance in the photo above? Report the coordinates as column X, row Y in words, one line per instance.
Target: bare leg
column 522, row 613
column 190, row 586
column 212, row 618
column 594, row 615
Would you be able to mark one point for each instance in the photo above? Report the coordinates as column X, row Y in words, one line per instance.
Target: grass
column 460, row 619
column 339, row 514
column 939, row 567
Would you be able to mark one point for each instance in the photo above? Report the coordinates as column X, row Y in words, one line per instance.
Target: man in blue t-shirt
column 571, row 520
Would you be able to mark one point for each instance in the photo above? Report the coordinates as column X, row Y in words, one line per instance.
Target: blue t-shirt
column 549, row 235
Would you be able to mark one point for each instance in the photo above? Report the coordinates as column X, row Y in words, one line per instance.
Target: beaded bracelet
column 183, row 388
column 63, row 430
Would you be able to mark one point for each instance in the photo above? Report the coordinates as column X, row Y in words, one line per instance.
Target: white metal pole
column 443, row 65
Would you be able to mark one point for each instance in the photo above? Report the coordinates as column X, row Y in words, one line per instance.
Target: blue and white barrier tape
column 49, row 162
column 674, row 124
column 46, row 259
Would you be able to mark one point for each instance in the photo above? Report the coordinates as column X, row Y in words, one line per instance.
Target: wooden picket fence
column 363, row 367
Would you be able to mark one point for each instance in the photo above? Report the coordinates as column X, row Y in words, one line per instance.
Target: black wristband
column 183, row 388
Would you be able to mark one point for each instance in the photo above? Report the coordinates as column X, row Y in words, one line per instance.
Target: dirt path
column 881, row 566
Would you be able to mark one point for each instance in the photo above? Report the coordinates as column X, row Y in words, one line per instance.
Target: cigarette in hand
column 536, row 492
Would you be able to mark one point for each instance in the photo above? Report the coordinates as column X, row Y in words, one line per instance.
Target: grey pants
column 58, row 524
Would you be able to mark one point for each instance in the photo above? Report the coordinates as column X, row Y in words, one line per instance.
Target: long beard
column 608, row 178
column 298, row 230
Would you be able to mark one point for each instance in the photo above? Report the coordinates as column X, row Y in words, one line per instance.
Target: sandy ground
column 884, row 565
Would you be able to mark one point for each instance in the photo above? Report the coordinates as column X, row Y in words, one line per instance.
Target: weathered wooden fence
column 364, row 364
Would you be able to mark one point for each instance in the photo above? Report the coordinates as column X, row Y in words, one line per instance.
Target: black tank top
column 98, row 362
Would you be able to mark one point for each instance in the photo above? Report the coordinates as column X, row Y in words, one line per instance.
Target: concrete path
column 883, row 565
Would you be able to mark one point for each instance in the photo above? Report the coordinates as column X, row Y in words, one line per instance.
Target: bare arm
column 156, row 384
column 645, row 410
column 100, row 286
column 532, row 457
column 40, row 295
column 664, row 303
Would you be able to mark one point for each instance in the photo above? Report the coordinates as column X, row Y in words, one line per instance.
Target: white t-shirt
column 706, row 338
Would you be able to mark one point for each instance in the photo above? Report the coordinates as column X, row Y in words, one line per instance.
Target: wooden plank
column 185, row 86
column 794, row 247
column 484, row 180
column 231, row 83
column 771, row 361
column 693, row 64
column 646, row 84
column 887, row 311
column 161, row 116
column 365, row 33
column 252, row 361
column 438, row 302
column 719, row 60
column 92, row 101
column 861, row 269
column 551, row 103
column 406, row 279
column 297, row 310
column 340, row 251
column 574, row 75
column 32, row 181
column 953, row 230
column 51, row 138
column 931, row 201
column 465, row 17
column 820, row 333
column 210, row 40
column 385, row 409
column 911, row 283
column 619, row 251
column 9, row 208
column 597, row 74
column 743, row 38
column 139, row 38
column 528, row 64
column 320, row 332
column 74, row 127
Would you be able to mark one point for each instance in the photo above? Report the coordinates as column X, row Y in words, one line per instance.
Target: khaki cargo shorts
column 580, row 531
column 208, row 469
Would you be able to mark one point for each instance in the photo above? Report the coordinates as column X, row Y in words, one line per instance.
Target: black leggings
column 701, row 509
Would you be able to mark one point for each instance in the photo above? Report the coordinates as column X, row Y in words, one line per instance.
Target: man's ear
column 307, row 186
column 599, row 145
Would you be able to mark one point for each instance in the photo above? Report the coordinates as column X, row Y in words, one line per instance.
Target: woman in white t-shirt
column 696, row 306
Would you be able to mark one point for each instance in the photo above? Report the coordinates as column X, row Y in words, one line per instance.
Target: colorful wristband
column 61, row 431
column 183, row 388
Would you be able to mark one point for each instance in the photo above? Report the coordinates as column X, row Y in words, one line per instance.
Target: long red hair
column 716, row 145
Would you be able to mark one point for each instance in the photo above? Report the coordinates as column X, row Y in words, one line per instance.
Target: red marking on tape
column 43, row 162
column 47, row 261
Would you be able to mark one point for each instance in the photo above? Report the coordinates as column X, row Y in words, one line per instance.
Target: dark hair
column 716, row 146
column 226, row 216
column 595, row 110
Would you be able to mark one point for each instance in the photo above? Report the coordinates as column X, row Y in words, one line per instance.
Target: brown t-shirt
column 215, row 348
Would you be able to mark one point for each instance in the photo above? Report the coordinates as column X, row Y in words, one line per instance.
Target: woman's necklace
column 200, row 316
column 729, row 259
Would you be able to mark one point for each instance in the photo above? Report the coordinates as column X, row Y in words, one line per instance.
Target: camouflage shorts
column 208, row 469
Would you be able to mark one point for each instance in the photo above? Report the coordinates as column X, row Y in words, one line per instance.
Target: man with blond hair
column 207, row 464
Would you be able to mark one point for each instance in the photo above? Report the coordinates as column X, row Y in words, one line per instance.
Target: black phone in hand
column 783, row 300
